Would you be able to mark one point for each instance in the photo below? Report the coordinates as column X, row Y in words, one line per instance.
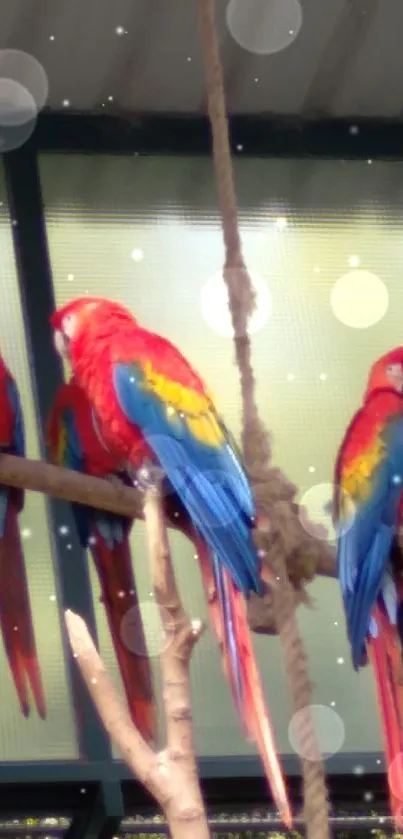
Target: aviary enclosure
column 291, row 542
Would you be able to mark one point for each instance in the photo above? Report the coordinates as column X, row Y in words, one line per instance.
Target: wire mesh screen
column 323, row 241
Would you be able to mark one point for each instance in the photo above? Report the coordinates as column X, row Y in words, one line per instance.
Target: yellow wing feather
column 355, row 484
column 196, row 409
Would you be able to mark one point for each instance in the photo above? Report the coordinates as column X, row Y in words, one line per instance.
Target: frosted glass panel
column 146, row 231
column 31, row 739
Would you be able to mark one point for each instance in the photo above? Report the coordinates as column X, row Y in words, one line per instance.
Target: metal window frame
column 224, row 778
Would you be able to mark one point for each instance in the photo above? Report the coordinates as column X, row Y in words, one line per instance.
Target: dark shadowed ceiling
column 344, row 59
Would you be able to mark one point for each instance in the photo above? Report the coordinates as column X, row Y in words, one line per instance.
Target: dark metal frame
column 109, row 788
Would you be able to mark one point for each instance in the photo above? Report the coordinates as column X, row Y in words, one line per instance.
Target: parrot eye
column 69, row 325
column 394, row 373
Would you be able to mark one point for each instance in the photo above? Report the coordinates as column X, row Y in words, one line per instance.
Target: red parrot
column 367, row 512
column 73, row 441
column 155, row 415
column 15, row 608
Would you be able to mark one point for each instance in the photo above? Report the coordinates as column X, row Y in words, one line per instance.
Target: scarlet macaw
column 15, row 608
column 154, row 412
column 73, row 441
column 367, row 511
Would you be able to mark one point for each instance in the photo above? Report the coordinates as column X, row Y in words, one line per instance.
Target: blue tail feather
column 230, row 636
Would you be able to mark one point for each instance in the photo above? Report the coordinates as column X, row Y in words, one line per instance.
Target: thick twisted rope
column 255, row 438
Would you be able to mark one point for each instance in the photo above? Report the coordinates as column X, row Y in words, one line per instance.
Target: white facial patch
column 59, row 342
column 69, row 325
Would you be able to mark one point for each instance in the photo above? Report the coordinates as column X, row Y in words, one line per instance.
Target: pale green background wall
column 311, row 370
column 99, row 209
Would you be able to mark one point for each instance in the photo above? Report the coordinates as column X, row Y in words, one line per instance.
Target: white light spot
column 142, row 623
column 110, row 98
column 340, row 660
column 120, row 30
column 354, row 130
column 354, row 261
column 396, row 479
column 66, row 103
column 239, row 147
column 333, row 704
column 369, row 162
column 70, row 277
column 312, row 469
column 358, row 770
column 359, row 299
column 368, row 796
column 315, row 512
column 63, row 530
column 26, row 533
column 22, row 69
column 256, row 80
column 335, row 623
column 69, row 547
column 188, row 58
column 290, row 377
column 121, row 594
column 317, row 269
column 51, row 37
column 92, row 540
column 83, row 790
column 215, row 307
column 281, row 223
column 329, row 727
column 52, row 598
column 379, row 762
column 323, row 377
column 170, row 411
column 264, row 26
column 137, row 255
column 18, row 113
column 94, row 680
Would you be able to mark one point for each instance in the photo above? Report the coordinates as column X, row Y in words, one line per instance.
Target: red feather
column 105, row 334
column 113, row 564
column 382, row 402
column 15, row 607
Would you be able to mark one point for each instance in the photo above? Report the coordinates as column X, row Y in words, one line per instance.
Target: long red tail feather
column 16, row 618
column 385, row 655
column 254, row 715
column 119, row 595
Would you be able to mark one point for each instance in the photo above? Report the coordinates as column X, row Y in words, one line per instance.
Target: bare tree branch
column 169, row 775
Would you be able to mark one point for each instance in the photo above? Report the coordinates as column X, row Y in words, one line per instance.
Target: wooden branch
column 170, row 775
column 38, row 476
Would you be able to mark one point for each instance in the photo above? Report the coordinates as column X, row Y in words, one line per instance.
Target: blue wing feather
column 209, row 481
column 19, row 428
column 364, row 542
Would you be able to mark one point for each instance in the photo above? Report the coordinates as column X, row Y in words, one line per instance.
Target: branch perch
column 38, row 476
column 170, row 775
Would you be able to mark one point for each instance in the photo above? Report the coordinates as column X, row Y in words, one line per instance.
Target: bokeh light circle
column 315, row 512
column 143, row 622
column 27, row 71
column 18, row 113
column 215, row 308
column 329, row 728
column 264, row 27
column 395, row 776
column 359, row 299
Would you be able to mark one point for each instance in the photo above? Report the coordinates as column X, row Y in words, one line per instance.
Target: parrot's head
column 387, row 372
column 84, row 316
